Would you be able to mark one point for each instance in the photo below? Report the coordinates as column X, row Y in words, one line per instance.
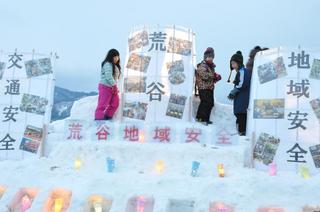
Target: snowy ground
column 243, row 188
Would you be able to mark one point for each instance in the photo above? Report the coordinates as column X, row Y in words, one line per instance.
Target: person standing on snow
column 241, row 92
column 206, row 77
column 108, row 101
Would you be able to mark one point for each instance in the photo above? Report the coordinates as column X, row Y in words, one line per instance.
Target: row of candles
column 98, row 204
column 57, row 204
column 138, row 204
column 26, row 202
column 159, row 166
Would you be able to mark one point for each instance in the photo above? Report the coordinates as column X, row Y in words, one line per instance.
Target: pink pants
column 108, row 102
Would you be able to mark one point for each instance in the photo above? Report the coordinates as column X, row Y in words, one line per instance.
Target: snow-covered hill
column 63, row 102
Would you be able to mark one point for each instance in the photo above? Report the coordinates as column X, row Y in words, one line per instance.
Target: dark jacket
column 242, row 84
column 206, row 77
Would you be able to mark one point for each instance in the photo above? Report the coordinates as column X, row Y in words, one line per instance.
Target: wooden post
column 43, row 140
column 252, row 143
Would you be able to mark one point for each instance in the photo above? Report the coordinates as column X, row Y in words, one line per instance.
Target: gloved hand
column 233, row 93
column 217, row 77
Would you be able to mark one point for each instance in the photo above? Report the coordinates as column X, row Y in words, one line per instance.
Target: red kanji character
column 75, row 130
column 162, row 134
column 223, row 138
column 192, row 135
column 131, row 133
column 102, row 132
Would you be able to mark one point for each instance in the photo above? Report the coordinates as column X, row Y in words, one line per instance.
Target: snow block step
column 58, row 199
column 140, row 204
column 98, row 203
column 23, row 199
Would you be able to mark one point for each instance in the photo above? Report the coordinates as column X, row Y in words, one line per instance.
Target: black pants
column 242, row 122
column 206, row 104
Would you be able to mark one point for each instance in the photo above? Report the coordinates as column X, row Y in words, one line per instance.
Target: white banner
column 26, row 98
column 284, row 109
column 158, row 75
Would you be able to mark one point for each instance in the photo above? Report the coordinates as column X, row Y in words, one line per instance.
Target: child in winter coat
column 108, row 100
column 241, row 92
column 206, row 77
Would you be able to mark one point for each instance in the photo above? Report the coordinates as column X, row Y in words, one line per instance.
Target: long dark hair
column 252, row 55
column 109, row 58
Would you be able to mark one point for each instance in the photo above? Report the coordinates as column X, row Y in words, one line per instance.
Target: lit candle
column 77, row 163
column 272, row 209
column 140, row 204
column 141, row 136
column 304, row 172
column 2, row 190
column 221, row 208
column 97, row 206
column 110, row 164
column 160, row 166
column 221, row 170
column 58, row 204
column 195, row 168
column 25, row 203
column 272, row 169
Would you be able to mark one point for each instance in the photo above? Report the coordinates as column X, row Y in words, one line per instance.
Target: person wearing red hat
column 206, row 77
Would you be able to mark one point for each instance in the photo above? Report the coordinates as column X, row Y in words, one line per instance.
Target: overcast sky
column 82, row 32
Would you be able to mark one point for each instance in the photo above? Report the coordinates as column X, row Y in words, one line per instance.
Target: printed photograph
column 315, row 153
column 272, row 70
column 176, row 106
column 266, row 72
column 139, row 40
column 33, row 104
column 175, row 71
column 265, row 148
column 32, row 139
column 175, row 66
column 268, row 109
column 177, row 78
column 179, row 46
column 138, row 62
column 280, row 67
column 135, row 84
column 315, row 69
column 35, row 68
column 315, row 104
column 135, row 110
column 34, row 133
column 29, row 145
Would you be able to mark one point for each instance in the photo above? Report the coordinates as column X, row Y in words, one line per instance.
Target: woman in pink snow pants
column 108, row 101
